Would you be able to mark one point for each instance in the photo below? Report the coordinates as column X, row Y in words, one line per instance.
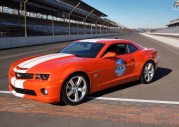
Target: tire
column 148, row 73
column 75, row 89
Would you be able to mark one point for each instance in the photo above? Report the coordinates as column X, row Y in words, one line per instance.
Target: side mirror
column 58, row 51
column 109, row 55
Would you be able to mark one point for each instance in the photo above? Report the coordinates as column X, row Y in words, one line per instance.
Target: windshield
column 83, row 49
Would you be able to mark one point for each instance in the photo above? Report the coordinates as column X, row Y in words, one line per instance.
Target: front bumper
column 32, row 89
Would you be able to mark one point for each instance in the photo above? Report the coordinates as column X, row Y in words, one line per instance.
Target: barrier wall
column 166, row 34
column 12, row 42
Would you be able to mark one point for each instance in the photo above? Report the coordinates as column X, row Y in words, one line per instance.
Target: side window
column 113, row 48
column 131, row 48
column 122, row 49
column 119, row 49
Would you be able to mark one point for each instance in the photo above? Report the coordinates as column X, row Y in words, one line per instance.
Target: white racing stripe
column 13, row 79
column 21, row 71
column 32, row 62
column 96, row 40
column 15, row 69
column 14, row 93
column 135, row 100
column 90, row 40
column 17, row 94
column 17, row 83
column 33, row 59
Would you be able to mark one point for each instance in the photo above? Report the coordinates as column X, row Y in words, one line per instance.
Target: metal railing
column 15, row 22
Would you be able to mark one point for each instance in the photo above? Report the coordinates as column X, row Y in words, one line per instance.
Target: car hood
column 46, row 63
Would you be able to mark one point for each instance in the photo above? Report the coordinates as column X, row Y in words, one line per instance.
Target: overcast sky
column 138, row 13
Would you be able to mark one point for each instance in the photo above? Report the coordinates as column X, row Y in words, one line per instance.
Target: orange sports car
column 83, row 67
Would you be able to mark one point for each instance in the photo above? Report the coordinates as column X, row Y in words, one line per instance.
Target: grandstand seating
column 39, row 16
column 174, row 29
column 12, row 25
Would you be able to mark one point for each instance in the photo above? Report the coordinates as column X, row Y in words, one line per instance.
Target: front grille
column 24, row 91
column 24, row 75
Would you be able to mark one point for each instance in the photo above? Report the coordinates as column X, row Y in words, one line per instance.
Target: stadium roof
column 84, row 6
column 174, row 22
column 61, row 8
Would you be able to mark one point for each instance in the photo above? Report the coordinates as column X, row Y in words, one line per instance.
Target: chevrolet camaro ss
column 83, row 67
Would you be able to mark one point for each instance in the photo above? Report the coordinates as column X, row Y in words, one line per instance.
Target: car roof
column 111, row 41
column 102, row 40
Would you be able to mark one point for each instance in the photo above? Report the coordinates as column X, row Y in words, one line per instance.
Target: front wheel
column 147, row 72
column 75, row 89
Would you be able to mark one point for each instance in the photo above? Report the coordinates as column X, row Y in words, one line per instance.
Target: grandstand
column 173, row 27
column 20, row 18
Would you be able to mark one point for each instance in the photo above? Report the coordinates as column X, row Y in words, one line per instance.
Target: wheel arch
column 78, row 72
column 149, row 60
column 62, row 100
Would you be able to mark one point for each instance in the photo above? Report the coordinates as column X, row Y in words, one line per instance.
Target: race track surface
column 165, row 87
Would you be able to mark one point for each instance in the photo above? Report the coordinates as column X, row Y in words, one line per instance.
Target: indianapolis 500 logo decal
column 120, row 67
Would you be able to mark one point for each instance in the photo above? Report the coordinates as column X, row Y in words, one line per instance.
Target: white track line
column 123, row 99
column 9, row 92
column 135, row 100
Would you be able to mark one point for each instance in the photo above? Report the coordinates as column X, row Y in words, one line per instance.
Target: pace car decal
column 120, row 67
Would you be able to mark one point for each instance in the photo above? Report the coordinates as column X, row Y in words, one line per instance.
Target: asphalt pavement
column 164, row 88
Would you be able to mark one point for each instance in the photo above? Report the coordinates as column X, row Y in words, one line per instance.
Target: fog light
column 44, row 91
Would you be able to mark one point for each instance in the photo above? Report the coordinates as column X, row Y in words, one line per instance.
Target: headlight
column 42, row 76
column 24, row 75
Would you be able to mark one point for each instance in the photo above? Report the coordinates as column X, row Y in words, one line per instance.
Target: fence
column 174, row 29
column 12, row 24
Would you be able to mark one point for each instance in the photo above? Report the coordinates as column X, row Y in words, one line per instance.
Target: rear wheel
column 75, row 89
column 147, row 72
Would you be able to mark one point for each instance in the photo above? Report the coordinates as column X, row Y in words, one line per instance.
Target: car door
column 116, row 70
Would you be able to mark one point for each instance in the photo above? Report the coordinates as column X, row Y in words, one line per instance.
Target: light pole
column 25, row 19
column 97, row 23
column 103, row 25
column 86, row 18
column 53, row 32
column 69, row 18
